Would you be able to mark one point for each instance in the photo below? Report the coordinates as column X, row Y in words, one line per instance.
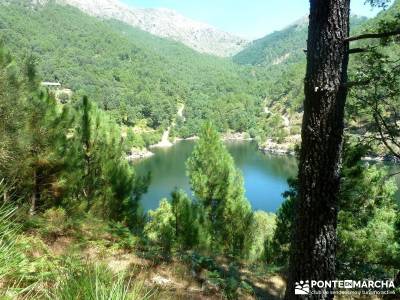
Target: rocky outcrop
column 285, row 147
column 236, row 136
column 135, row 154
column 165, row 23
column 164, row 143
column 275, row 148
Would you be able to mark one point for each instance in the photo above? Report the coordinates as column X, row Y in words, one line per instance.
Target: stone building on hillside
column 63, row 95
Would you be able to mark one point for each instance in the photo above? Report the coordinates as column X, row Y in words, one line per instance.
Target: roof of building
column 47, row 83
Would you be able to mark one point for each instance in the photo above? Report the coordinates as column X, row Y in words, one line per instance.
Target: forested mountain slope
column 284, row 46
column 130, row 72
column 165, row 23
column 278, row 47
column 161, row 22
column 140, row 78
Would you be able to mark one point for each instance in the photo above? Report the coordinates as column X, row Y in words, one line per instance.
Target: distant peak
column 303, row 21
column 167, row 23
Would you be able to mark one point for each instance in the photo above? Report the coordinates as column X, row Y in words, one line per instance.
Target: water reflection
column 264, row 175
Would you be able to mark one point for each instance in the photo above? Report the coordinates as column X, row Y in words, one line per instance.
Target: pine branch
column 358, row 50
column 372, row 35
column 351, row 84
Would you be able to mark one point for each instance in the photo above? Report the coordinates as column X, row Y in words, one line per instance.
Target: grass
column 9, row 258
column 97, row 282
column 56, row 256
column 29, row 269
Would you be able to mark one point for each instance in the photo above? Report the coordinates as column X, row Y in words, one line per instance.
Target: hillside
column 284, row 46
column 129, row 72
column 164, row 23
column 278, row 47
column 143, row 79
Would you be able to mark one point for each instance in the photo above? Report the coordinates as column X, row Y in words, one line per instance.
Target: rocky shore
column 236, row 136
column 284, row 148
column 135, row 154
column 382, row 158
column 275, row 148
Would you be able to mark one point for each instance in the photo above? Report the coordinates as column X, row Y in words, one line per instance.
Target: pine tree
column 186, row 220
column 31, row 132
column 103, row 176
column 11, row 115
column 368, row 244
column 314, row 237
column 218, row 185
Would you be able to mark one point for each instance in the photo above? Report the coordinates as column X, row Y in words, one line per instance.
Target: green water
column 265, row 176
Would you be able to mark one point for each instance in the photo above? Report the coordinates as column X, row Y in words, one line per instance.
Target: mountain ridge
column 282, row 46
column 164, row 23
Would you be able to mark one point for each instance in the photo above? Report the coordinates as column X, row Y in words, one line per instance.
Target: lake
column 265, row 176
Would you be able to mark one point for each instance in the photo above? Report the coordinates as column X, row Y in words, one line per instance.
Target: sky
column 247, row 18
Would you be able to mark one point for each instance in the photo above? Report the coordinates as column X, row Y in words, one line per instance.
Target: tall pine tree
column 218, row 185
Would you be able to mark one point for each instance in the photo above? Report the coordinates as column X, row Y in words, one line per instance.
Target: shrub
column 124, row 238
column 159, row 229
column 262, row 232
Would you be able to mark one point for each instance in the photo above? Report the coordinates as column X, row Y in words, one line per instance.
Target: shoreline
column 271, row 148
column 138, row 154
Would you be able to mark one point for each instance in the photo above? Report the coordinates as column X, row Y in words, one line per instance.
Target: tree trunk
column 35, row 194
column 314, row 238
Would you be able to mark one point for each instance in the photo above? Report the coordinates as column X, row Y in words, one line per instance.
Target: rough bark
column 314, row 236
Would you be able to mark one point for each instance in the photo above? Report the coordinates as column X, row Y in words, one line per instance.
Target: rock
column 164, row 143
column 373, row 158
column 161, row 281
column 276, row 148
column 136, row 154
column 236, row 136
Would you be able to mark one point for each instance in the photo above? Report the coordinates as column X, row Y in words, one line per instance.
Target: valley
column 145, row 155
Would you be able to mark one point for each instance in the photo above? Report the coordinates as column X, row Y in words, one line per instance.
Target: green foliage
column 368, row 212
column 70, row 156
column 373, row 106
column 282, row 235
column 125, row 238
column 10, row 259
column 368, row 245
column 32, row 162
column 160, row 229
column 282, row 47
column 262, row 231
column 100, row 165
column 176, row 224
column 11, row 100
column 285, row 46
column 53, row 223
column 227, row 278
column 28, row 269
column 218, row 185
column 187, row 220
column 130, row 73
column 379, row 3
column 98, row 283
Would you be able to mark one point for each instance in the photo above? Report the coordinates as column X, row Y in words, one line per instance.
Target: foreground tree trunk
column 314, row 236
